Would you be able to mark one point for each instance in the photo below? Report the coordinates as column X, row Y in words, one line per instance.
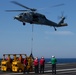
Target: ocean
column 62, row 60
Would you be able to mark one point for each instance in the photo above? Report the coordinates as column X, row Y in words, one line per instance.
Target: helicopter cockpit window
column 43, row 17
column 21, row 14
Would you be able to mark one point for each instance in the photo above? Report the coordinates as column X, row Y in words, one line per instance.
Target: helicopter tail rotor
column 62, row 23
column 62, row 16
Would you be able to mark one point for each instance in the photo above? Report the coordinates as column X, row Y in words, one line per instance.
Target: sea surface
column 62, row 60
column 59, row 60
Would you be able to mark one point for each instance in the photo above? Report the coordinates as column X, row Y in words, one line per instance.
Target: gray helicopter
column 31, row 16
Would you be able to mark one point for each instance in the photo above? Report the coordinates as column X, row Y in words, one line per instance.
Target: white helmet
column 42, row 57
column 53, row 56
column 36, row 58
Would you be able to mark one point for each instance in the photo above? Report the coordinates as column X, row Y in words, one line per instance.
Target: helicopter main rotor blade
column 58, row 5
column 23, row 6
column 52, row 6
column 15, row 10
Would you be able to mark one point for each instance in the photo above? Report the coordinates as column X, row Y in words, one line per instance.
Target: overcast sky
column 16, row 38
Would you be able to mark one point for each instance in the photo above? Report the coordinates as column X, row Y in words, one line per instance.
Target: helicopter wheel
column 55, row 29
column 23, row 23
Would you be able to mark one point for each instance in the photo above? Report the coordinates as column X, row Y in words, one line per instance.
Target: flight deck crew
column 36, row 65
column 20, row 58
column 42, row 64
column 25, row 62
column 53, row 61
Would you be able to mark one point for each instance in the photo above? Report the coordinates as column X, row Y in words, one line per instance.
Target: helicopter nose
column 16, row 17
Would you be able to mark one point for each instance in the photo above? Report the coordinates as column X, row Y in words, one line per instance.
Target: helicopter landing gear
column 23, row 23
column 55, row 29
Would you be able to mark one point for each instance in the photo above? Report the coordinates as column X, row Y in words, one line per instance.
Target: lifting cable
column 32, row 39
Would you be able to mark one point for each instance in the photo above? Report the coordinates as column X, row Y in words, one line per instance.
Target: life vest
column 25, row 62
column 35, row 62
column 42, row 61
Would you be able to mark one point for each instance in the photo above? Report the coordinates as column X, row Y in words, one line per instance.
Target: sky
column 16, row 38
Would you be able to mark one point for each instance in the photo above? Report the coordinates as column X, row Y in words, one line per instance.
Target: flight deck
column 62, row 69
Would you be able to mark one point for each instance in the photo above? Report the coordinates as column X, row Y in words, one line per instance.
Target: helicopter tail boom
column 61, row 23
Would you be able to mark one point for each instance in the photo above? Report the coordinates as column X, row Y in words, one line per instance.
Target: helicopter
column 31, row 16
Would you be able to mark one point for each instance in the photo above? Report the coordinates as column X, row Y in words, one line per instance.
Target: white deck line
column 61, row 71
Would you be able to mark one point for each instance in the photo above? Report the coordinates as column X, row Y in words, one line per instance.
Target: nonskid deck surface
column 62, row 69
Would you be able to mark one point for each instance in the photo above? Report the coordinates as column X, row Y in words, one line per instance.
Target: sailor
column 42, row 64
column 36, row 65
column 53, row 61
column 25, row 62
column 20, row 58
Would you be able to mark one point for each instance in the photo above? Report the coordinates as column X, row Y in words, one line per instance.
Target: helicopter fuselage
column 30, row 16
column 34, row 18
column 40, row 19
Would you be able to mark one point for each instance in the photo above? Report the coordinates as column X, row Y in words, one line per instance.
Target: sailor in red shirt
column 42, row 64
column 36, row 65
column 25, row 62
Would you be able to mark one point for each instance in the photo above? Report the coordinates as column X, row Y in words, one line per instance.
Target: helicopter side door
column 35, row 18
column 42, row 19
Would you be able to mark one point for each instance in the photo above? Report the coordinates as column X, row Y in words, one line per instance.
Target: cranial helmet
column 53, row 56
column 42, row 57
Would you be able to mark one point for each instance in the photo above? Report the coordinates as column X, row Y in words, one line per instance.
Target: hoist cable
column 32, row 40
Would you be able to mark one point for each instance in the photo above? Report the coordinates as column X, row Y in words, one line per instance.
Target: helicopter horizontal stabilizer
column 63, row 24
column 60, row 25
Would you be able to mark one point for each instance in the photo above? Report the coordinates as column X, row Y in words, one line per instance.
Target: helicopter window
column 21, row 14
column 43, row 17
column 35, row 17
column 25, row 14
